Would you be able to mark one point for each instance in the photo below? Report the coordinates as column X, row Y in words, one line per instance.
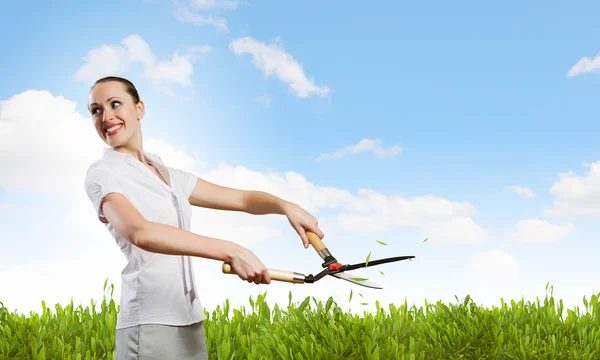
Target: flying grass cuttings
column 367, row 261
column 381, row 242
column 381, row 272
column 350, row 299
column 359, row 279
column 425, row 239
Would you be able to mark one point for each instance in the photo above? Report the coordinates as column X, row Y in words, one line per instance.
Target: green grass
column 315, row 330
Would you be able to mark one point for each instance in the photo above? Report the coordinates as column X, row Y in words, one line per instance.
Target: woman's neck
column 136, row 152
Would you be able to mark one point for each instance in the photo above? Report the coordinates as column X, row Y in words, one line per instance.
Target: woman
column 146, row 206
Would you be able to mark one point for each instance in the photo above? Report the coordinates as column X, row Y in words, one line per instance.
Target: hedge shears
column 330, row 264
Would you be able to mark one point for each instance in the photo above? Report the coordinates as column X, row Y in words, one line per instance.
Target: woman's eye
column 116, row 102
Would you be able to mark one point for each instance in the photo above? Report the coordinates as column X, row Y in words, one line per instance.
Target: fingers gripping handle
column 278, row 275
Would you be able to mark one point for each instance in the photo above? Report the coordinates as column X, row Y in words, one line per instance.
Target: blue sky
column 477, row 96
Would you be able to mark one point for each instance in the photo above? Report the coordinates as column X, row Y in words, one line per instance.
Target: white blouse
column 156, row 288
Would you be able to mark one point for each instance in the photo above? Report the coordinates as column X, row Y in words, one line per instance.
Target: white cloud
column 273, row 60
column 185, row 15
column 197, row 12
column 368, row 211
column 541, row 231
column 136, row 49
column 37, row 122
column 520, row 190
column 178, row 70
column 177, row 158
column 492, row 266
column 197, row 52
column 577, row 194
column 117, row 59
column 214, row 4
column 440, row 220
column 456, row 230
column 290, row 185
column 3, row 261
column 7, row 207
column 373, row 145
column 105, row 59
column 585, row 65
column 59, row 280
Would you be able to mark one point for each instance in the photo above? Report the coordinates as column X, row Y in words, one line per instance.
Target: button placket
column 186, row 270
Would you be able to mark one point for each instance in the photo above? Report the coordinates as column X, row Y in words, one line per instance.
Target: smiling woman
column 146, row 206
column 126, row 118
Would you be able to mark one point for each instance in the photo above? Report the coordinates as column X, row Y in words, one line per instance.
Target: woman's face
column 115, row 115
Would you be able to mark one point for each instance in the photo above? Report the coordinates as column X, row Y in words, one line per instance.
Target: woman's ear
column 140, row 109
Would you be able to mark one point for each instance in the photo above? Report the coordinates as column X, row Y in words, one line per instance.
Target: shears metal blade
column 365, row 283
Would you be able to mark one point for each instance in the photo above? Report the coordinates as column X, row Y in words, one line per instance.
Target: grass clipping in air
column 367, row 265
column 316, row 330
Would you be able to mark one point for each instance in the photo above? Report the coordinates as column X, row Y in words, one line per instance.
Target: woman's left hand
column 302, row 221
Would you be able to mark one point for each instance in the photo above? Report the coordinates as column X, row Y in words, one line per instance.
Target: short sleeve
column 183, row 180
column 100, row 181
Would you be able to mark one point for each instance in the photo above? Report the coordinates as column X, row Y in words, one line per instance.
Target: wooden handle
column 315, row 241
column 278, row 275
column 319, row 247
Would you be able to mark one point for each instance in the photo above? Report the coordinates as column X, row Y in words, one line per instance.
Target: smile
column 113, row 130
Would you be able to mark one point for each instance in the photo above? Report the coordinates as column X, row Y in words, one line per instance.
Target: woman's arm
column 213, row 196
column 162, row 238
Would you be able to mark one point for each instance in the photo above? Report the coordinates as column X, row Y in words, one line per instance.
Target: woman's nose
column 107, row 115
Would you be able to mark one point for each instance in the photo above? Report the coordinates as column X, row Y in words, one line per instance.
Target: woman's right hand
column 248, row 267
